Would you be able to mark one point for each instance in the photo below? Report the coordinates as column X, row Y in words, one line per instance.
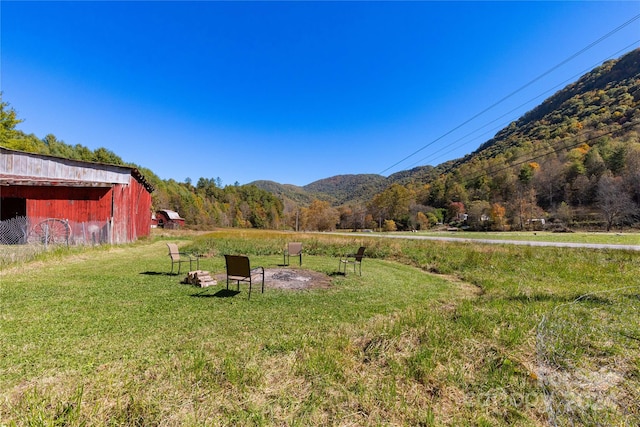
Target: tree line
column 573, row 161
column 205, row 205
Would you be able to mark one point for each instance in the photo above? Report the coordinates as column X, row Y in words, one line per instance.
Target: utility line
column 609, row 34
column 564, row 83
column 546, row 153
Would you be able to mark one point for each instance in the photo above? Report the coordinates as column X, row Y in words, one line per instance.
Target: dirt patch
column 290, row 278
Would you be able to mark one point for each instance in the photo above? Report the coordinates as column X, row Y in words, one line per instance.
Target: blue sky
column 294, row 91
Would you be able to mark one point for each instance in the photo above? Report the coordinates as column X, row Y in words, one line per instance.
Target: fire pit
column 289, row 278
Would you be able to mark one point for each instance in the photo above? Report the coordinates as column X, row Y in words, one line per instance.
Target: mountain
column 600, row 110
column 337, row 190
column 290, row 192
column 574, row 159
column 348, row 188
column 603, row 97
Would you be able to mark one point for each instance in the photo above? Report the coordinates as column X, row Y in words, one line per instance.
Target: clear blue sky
column 293, row 91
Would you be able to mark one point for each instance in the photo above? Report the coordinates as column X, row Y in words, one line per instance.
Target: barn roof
column 171, row 214
column 23, row 168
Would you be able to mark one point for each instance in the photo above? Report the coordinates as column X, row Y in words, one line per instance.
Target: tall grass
column 432, row 333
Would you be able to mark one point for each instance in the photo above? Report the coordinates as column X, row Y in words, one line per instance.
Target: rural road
column 503, row 242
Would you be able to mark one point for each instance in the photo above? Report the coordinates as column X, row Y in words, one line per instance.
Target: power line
column 609, row 34
column 570, row 79
column 546, row 153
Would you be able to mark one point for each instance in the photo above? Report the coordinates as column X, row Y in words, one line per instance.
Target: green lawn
column 433, row 333
column 613, row 238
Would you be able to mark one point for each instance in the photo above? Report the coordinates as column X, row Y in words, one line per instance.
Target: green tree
column 479, row 212
column 8, row 122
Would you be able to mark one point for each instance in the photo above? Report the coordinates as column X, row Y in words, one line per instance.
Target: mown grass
column 613, row 238
column 433, row 333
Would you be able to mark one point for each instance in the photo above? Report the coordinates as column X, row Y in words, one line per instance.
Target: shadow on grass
column 222, row 293
column 339, row 274
column 560, row 299
column 159, row 273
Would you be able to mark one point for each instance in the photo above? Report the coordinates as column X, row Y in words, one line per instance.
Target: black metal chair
column 239, row 269
column 355, row 259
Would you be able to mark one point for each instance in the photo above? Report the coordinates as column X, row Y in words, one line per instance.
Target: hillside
column 289, row 192
column 600, row 110
column 337, row 190
column 605, row 97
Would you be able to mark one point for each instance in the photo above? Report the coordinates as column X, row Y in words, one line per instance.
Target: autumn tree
column 422, row 221
column 614, row 202
column 524, row 208
column 498, row 217
column 455, row 211
column 631, row 172
column 319, row 216
column 392, row 203
column 564, row 213
column 549, row 183
column 389, row 225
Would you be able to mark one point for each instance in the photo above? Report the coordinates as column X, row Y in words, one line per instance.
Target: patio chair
column 293, row 249
column 239, row 269
column 355, row 259
column 174, row 254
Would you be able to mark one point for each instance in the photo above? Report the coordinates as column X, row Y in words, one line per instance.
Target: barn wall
column 132, row 212
column 20, row 164
column 51, row 187
column 140, row 209
column 80, row 204
column 131, row 206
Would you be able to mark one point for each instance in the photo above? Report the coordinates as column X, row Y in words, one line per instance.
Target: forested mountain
column 574, row 160
column 337, row 190
column 292, row 193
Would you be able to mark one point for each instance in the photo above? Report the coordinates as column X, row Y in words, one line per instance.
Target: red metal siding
column 131, row 206
column 132, row 212
column 72, row 203
column 141, row 209
column 52, row 187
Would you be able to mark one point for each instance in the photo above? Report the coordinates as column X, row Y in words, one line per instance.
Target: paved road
column 501, row 242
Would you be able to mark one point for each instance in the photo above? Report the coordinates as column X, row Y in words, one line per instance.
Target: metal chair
column 239, row 269
column 355, row 259
column 174, row 253
column 293, row 249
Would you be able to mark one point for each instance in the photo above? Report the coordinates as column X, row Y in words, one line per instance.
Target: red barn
column 41, row 186
column 166, row 218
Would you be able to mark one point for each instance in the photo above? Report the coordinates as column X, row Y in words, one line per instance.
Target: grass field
column 617, row 238
column 432, row 333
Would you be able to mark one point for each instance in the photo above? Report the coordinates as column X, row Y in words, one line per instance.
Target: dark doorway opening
column 12, row 207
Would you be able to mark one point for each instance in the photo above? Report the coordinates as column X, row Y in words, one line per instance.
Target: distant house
column 112, row 198
column 169, row 219
column 536, row 223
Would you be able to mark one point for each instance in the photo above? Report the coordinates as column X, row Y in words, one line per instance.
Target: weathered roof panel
column 21, row 168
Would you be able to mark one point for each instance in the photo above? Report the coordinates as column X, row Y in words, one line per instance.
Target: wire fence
column 588, row 354
column 21, row 238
